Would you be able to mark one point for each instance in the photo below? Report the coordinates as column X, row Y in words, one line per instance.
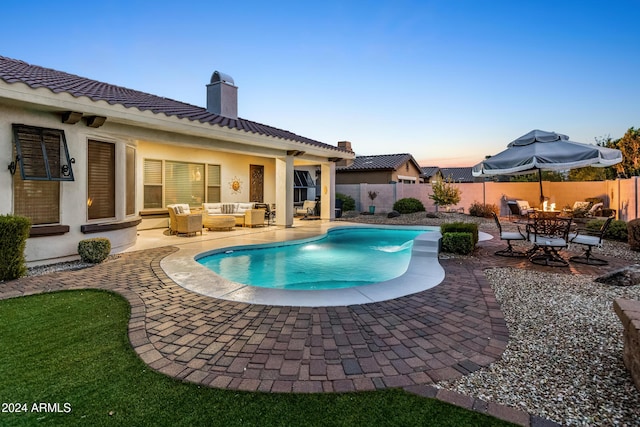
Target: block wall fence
column 623, row 195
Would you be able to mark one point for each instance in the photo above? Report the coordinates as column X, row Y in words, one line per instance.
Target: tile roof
column 461, row 174
column 378, row 162
column 429, row 171
column 14, row 71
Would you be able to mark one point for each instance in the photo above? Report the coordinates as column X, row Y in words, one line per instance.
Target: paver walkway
column 442, row 333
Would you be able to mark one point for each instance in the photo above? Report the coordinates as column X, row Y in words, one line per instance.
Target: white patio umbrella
column 545, row 151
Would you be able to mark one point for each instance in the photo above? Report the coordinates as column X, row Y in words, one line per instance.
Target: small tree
column 373, row 195
column 445, row 193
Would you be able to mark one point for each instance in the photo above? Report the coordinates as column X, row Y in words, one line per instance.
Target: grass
column 71, row 348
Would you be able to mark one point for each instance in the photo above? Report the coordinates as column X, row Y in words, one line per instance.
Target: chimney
column 345, row 145
column 222, row 96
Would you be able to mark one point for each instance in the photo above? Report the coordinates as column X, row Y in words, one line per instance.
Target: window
column 302, row 181
column 37, row 200
column 213, row 184
column 183, row 183
column 152, row 184
column 131, row 181
column 167, row 182
column 42, row 154
column 101, row 200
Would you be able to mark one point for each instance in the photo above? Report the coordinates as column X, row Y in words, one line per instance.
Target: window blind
column 213, row 184
column 152, row 181
column 184, row 183
column 37, row 200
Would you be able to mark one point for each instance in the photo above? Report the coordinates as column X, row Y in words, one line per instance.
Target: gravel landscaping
column 564, row 359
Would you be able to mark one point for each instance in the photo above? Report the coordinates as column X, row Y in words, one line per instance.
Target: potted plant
column 372, row 196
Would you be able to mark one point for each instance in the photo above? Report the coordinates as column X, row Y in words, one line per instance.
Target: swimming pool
column 424, row 270
column 343, row 258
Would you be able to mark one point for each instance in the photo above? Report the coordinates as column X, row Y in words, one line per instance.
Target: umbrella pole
column 540, row 181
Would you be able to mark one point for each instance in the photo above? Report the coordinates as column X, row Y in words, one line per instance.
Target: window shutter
column 102, row 180
column 131, row 181
column 42, row 154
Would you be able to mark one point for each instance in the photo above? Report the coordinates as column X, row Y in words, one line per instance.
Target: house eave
column 43, row 99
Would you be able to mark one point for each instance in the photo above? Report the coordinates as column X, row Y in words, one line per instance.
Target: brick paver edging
column 410, row 342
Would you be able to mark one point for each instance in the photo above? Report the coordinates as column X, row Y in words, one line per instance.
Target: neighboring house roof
column 16, row 71
column 429, row 171
column 458, row 174
column 378, row 162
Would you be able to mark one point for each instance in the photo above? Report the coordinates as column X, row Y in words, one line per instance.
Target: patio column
column 284, row 191
column 328, row 190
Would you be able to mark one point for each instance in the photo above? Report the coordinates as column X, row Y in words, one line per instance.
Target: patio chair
column 549, row 234
column 590, row 241
column 182, row 221
column 308, row 208
column 509, row 236
column 176, row 209
column 268, row 213
column 524, row 207
column 254, row 217
column 519, row 208
column 189, row 224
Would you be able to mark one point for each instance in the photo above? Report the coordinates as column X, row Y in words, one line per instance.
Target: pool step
column 427, row 244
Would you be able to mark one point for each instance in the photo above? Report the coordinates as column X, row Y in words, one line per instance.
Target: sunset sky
column 448, row 81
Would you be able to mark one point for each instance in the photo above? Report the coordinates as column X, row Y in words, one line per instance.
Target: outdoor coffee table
column 219, row 222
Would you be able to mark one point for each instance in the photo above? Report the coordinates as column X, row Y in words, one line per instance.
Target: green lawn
column 71, row 349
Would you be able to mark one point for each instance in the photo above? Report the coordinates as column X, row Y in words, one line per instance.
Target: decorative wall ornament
column 236, row 185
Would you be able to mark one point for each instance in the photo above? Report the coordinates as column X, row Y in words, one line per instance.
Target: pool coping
column 424, row 272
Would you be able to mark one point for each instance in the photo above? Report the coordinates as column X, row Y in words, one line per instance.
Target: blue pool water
column 343, row 258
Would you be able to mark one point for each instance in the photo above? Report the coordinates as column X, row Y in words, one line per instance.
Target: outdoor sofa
column 239, row 211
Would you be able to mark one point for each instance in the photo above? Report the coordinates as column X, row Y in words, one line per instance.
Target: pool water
column 343, row 258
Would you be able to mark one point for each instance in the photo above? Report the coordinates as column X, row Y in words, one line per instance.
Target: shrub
column 94, row 250
column 633, row 228
column 408, row 205
column 617, row 229
column 348, row 204
column 458, row 243
column 461, row 227
column 483, row 210
column 14, row 232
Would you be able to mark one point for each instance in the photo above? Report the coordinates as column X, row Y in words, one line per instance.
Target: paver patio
column 411, row 342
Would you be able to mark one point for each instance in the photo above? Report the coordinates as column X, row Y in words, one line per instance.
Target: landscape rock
column 627, row 276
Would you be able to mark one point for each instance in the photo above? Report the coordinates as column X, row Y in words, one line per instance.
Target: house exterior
column 90, row 159
column 378, row 169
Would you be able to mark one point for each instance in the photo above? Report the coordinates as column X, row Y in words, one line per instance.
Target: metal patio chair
column 508, row 236
column 590, row 241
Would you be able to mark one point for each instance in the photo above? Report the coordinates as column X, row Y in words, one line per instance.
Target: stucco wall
column 621, row 195
column 73, row 194
column 232, row 166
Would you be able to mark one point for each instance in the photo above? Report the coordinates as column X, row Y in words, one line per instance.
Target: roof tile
column 15, row 71
column 377, row 162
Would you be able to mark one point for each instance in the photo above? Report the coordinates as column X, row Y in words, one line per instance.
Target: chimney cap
column 218, row 77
